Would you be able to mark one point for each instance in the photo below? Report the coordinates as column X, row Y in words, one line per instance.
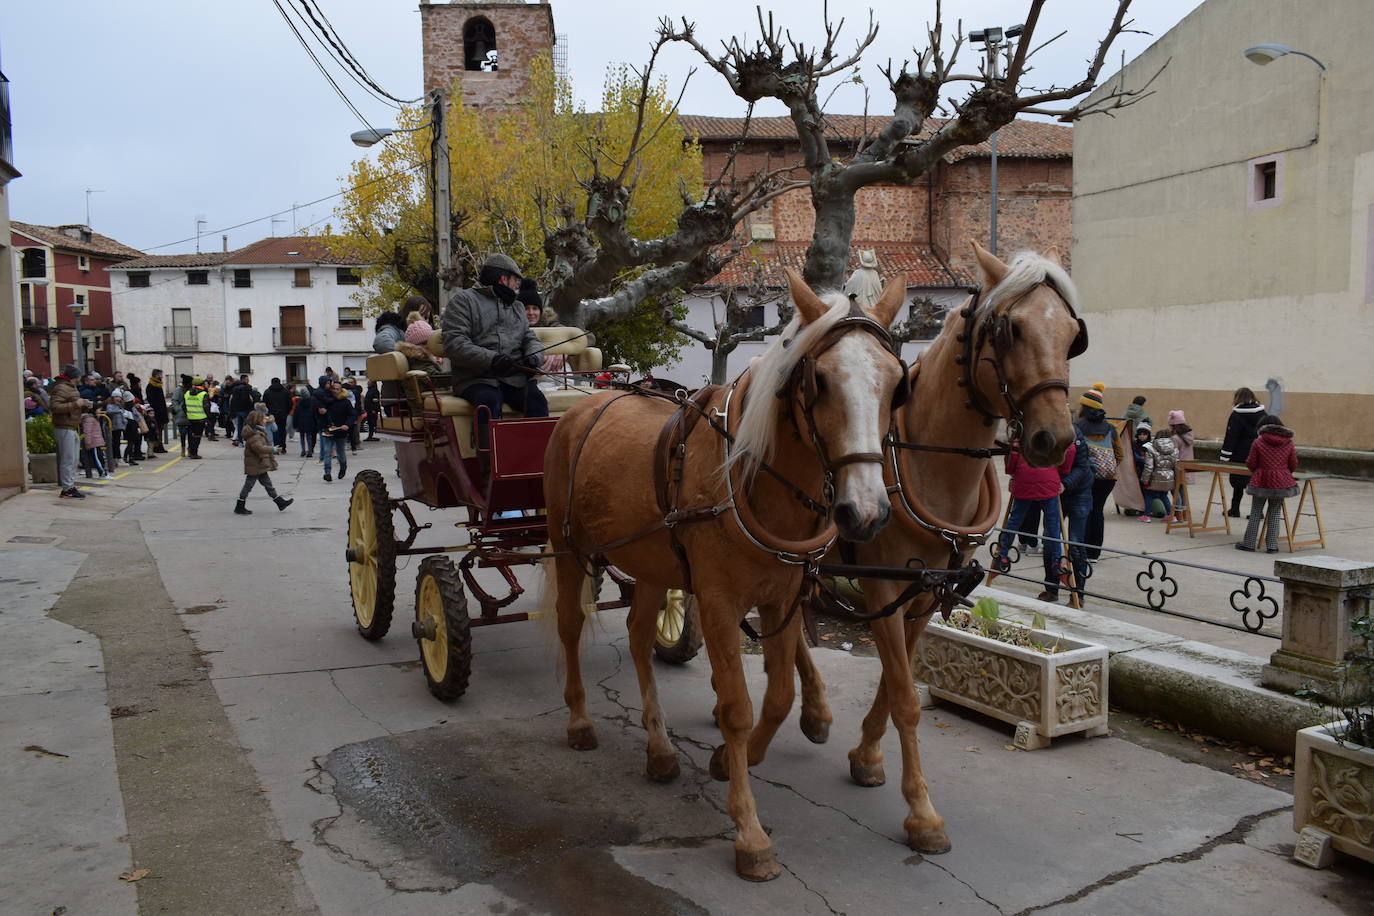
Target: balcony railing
column 289, row 338
column 180, row 337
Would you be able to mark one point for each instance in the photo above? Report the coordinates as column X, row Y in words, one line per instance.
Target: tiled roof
column 1022, row 139
column 918, row 262
column 101, row 245
column 297, row 249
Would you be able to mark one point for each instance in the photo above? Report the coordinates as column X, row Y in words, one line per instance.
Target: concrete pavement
column 324, row 777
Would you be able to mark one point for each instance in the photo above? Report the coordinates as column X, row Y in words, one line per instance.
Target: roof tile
column 920, row 264
column 278, row 250
column 101, row 245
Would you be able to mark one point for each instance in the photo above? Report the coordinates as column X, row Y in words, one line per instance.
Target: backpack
column 1101, row 456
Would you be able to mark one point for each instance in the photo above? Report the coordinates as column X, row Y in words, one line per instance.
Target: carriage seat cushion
column 559, row 402
column 387, row 367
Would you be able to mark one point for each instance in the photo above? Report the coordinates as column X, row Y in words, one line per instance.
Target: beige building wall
column 13, row 457
column 1192, row 287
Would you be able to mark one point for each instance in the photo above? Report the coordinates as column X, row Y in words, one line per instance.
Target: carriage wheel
column 442, row 629
column 371, row 555
column 678, row 638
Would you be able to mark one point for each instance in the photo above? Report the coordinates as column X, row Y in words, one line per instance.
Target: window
column 1265, row 182
column 245, row 318
column 243, row 278
column 35, row 265
column 83, row 262
column 302, row 276
column 350, row 316
column 25, row 295
column 197, row 278
column 140, row 279
column 80, row 299
column 347, row 276
column 183, row 365
column 245, row 365
column 479, row 44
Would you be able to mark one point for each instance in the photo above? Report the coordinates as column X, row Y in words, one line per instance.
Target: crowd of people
column 1140, row 465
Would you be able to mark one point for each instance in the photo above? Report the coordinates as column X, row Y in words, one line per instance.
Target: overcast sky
column 177, row 110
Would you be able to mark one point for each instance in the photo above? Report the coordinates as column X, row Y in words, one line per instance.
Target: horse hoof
column 867, row 775
column 582, row 738
column 757, row 866
column 817, row 731
column 719, row 771
column 929, row 842
column 663, row 768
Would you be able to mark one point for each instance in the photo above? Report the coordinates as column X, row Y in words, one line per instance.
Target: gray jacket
column 386, row 338
column 476, row 327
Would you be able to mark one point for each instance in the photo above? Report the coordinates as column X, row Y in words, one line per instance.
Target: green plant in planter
column 1351, row 704
column 985, row 617
column 39, row 436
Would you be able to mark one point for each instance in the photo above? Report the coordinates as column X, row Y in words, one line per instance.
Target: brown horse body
column 603, row 502
column 956, row 493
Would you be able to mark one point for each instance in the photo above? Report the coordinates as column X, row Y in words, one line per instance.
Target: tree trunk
column 828, row 257
column 720, row 362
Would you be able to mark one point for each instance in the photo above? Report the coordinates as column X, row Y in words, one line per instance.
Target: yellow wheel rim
column 362, row 572
column 429, row 608
column 673, row 617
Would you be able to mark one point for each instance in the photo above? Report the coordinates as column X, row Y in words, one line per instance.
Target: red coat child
column 1273, row 459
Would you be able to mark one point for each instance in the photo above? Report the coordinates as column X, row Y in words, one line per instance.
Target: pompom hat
column 1094, row 396
column 1176, row 418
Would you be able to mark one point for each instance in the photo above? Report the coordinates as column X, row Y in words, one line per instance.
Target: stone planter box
column 1044, row 696
column 1333, row 798
column 43, row 467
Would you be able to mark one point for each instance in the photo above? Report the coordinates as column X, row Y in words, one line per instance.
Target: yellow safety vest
column 195, row 405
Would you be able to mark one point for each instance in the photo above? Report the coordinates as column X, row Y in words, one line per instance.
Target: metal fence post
column 1321, row 595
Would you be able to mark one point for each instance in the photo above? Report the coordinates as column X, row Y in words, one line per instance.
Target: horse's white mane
column 1026, row 271
column 769, row 372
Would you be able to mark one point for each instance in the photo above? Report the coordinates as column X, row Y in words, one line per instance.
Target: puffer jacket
column 258, row 454
column 1036, row 483
column 476, row 327
column 1080, row 475
column 1135, row 414
column 66, row 404
column 1273, row 459
column 1161, row 465
column 1241, row 429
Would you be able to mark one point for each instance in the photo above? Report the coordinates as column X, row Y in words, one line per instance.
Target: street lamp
column 1263, row 54
column 79, row 309
column 991, row 39
column 439, row 173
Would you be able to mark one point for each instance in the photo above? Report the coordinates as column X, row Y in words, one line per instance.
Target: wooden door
column 293, row 326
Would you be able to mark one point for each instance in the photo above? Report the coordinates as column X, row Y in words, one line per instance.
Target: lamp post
column 79, row 309
column 991, row 39
column 439, row 173
column 1264, row 54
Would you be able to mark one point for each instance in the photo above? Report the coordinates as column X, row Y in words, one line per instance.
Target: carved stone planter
column 1333, row 798
column 43, row 467
column 1044, row 696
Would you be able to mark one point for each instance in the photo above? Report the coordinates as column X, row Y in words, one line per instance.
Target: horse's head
column 848, row 378
column 1024, row 333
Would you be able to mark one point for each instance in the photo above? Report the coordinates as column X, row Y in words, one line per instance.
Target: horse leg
column 754, row 859
column 925, row 829
column 779, row 651
column 643, row 619
column 571, row 619
column 866, row 759
column 815, row 710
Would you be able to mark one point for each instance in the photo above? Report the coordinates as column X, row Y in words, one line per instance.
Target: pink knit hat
column 419, row 332
column 1176, row 417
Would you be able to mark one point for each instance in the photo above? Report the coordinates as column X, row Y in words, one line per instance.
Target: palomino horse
column 660, row 494
column 1005, row 357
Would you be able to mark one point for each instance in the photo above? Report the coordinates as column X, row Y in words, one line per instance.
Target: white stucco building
column 281, row 307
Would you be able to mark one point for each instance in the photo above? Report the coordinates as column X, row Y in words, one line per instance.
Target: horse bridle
column 803, row 380
column 998, row 329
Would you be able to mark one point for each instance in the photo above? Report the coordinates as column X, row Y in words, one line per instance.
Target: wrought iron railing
column 180, row 337
column 292, row 338
column 1251, row 599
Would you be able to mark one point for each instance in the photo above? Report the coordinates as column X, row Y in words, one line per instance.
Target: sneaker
column 1047, row 595
column 343, row 472
column 1244, row 548
column 108, row 477
column 72, row 493
column 1034, row 551
column 327, row 478
column 1144, row 518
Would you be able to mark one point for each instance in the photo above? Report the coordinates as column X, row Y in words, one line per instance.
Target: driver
column 492, row 349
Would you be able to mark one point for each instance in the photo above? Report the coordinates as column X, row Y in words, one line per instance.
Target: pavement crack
column 813, row 891
column 1236, row 834
column 358, row 708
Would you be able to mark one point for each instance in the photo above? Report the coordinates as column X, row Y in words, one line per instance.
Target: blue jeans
column 238, row 424
column 1078, row 507
column 329, row 446
column 1163, row 497
column 1049, row 508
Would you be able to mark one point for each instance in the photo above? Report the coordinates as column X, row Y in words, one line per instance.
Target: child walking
column 1040, row 487
column 1159, row 472
column 259, row 458
column 93, row 441
column 1272, row 460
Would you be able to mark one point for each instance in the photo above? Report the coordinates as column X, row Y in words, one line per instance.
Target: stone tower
column 489, row 46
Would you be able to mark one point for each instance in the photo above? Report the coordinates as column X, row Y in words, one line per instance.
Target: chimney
column 224, row 242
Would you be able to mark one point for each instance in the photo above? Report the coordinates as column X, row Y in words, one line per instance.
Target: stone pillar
column 1321, row 595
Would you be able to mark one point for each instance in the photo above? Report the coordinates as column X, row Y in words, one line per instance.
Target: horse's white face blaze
column 852, row 412
column 1048, row 428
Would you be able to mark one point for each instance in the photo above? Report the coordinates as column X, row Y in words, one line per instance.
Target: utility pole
column 200, row 221
column 991, row 39
column 443, row 242
column 89, row 192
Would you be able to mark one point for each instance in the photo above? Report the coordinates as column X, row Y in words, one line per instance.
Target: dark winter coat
column 477, row 327
column 1080, row 475
column 242, row 398
column 157, row 399
column 259, row 456
column 278, row 401
column 337, row 412
column 1092, row 423
column 1241, row 429
column 1273, row 459
column 304, row 416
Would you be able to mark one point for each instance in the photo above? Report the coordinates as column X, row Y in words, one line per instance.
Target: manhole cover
column 31, row 539
column 296, row 532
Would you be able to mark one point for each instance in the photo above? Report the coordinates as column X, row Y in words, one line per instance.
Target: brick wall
column 1035, row 209
column 523, row 31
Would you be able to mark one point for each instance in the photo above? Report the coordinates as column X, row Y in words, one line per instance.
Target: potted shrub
column 1045, row 685
column 1333, row 787
column 42, row 446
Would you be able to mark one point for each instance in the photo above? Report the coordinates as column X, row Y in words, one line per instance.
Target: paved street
column 185, row 693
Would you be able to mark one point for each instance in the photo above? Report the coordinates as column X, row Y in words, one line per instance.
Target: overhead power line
column 344, row 54
column 310, row 203
column 324, row 72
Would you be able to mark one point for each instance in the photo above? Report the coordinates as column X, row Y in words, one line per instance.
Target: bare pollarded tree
column 588, row 254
